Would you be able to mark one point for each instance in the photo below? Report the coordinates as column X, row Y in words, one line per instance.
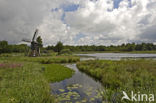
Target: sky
column 79, row 22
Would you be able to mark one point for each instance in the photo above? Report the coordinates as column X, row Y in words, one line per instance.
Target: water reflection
column 79, row 87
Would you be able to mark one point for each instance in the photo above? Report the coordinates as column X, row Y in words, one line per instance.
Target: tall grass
column 26, row 79
column 24, row 84
column 123, row 75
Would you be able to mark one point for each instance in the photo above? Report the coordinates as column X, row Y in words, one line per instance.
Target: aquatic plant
column 117, row 76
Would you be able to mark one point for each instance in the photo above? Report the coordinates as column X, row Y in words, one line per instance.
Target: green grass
column 42, row 59
column 123, row 75
column 24, row 84
column 26, row 79
column 56, row 72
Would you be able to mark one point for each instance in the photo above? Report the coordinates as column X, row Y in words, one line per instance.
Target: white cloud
column 97, row 20
column 127, row 23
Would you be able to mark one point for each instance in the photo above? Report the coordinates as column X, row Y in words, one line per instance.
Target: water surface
column 117, row 56
column 79, row 88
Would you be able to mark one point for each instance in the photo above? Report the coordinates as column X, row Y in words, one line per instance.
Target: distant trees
column 58, row 47
column 6, row 48
column 3, row 46
column 122, row 47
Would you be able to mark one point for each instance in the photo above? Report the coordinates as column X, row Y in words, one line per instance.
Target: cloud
column 19, row 18
column 78, row 22
column 129, row 22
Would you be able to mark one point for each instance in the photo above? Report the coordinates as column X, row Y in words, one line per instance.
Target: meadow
column 123, row 75
column 26, row 79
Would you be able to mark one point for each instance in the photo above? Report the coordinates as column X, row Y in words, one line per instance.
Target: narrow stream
column 80, row 88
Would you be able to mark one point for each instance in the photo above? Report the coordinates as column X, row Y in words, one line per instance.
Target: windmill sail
column 35, row 35
column 26, row 40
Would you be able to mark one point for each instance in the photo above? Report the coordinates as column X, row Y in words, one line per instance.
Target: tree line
column 10, row 48
column 6, row 48
column 122, row 47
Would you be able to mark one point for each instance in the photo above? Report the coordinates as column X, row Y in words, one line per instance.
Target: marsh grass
column 123, row 75
column 26, row 79
column 60, row 59
column 43, row 60
column 56, row 72
column 24, row 85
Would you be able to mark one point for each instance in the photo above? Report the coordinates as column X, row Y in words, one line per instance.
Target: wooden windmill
column 35, row 50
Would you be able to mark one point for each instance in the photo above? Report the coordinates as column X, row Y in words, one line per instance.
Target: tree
column 58, row 47
column 39, row 41
column 3, row 46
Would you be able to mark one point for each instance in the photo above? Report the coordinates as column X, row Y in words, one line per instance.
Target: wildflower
column 12, row 99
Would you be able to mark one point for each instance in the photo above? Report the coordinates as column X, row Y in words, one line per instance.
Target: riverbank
column 123, row 75
column 26, row 79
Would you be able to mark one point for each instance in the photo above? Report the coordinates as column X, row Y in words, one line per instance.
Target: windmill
column 35, row 50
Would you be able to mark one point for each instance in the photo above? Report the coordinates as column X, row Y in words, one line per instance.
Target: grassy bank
column 26, row 79
column 43, row 60
column 123, row 75
column 56, row 72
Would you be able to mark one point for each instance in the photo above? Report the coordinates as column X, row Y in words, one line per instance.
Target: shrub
column 65, row 51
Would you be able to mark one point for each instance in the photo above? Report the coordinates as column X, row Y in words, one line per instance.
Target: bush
column 65, row 51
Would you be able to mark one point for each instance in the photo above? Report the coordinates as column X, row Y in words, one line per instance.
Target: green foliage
column 3, row 46
column 119, row 48
column 56, row 72
column 65, row 52
column 6, row 48
column 58, row 47
column 39, row 41
column 127, row 75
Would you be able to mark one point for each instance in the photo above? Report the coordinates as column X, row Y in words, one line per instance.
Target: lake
column 115, row 56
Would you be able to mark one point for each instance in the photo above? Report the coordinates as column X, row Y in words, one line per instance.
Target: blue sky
column 79, row 36
column 74, row 7
column 70, row 7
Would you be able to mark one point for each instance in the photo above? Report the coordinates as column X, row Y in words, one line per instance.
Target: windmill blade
column 26, row 40
column 35, row 35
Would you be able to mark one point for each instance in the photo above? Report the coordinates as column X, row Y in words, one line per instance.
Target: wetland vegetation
column 26, row 79
column 123, row 75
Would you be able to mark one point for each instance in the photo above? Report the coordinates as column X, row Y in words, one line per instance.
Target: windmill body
column 35, row 50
